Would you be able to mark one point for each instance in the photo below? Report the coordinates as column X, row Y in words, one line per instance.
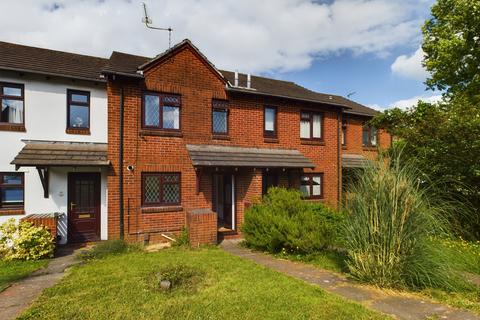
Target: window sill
column 271, row 139
column 160, row 133
column 314, row 199
column 344, row 147
column 85, row 131
column 312, row 142
column 162, row 209
column 220, row 137
column 11, row 212
column 370, row 148
column 12, row 127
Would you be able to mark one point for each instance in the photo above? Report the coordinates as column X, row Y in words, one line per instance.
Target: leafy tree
column 443, row 140
column 451, row 42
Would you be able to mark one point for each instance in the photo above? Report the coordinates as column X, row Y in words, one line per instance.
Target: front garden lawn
column 11, row 271
column 122, row 287
column 467, row 261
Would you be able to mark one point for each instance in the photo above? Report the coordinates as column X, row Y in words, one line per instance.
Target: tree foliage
column 451, row 42
column 443, row 140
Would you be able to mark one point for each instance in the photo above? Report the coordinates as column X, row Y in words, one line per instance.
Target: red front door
column 83, row 207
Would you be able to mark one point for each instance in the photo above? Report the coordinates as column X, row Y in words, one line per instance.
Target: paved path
column 399, row 306
column 16, row 298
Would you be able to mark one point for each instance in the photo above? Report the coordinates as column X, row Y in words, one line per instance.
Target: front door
column 83, row 207
column 224, row 200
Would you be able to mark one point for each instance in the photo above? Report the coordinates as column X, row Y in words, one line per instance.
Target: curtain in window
column 305, row 126
column 317, row 126
column 269, row 119
column 13, row 110
column 373, row 138
column 316, row 186
column 171, row 117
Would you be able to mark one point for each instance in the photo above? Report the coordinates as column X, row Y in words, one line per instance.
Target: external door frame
column 98, row 196
column 233, row 195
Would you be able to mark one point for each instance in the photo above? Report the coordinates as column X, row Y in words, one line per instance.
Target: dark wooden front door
column 83, row 207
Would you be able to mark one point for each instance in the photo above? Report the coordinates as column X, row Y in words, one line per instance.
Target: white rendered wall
column 45, row 112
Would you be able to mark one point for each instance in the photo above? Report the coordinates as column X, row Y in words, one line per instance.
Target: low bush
column 182, row 240
column 107, row 248
column 391, row 234
column 182, row 277
column 25, row 241
column 283, row 221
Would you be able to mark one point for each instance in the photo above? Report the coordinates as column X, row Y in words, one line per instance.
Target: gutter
column 123, row 74
column 53, row 74
column 288, row 97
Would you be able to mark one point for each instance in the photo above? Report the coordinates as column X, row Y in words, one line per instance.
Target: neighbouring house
column 189, row 146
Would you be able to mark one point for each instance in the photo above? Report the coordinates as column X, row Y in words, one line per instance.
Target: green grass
column 465, row 256
column 11, row 271
column 329, row 260
column 120, row 287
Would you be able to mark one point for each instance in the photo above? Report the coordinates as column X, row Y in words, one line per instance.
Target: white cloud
column 410, row 102
column 249, row 35
column 410, row 66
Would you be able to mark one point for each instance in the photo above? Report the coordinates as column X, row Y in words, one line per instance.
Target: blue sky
column 370, row 47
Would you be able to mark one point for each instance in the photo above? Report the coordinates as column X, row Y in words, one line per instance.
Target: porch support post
column 44, row 178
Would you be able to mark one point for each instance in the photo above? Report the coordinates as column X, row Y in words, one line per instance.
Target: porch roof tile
column 354, row 161
column 38, row 153
column 228, row 156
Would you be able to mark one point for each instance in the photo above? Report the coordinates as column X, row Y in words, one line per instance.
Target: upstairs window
column 78, row 109
column 11, row 190
column 369, row 136
column 270, row 121
column 161, row 111
column 220, row 117
column 160, row 189
column 311, row 125
column 12, row 100
column 344, row 131
column 311, row 185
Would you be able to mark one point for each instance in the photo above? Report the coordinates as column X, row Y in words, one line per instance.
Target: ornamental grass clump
column 395, row 221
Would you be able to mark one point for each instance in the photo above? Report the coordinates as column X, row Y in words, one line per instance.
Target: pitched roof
column 22, row 58
column 127, row 64
column 354, row 161
column 70, row 65
column 60, row 153
column 225, row 156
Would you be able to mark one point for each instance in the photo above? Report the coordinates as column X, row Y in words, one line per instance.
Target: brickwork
column 50, row 223
column 186, row 74
column 202, row 227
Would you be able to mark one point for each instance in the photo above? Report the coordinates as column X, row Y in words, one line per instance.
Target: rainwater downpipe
column 120, row 164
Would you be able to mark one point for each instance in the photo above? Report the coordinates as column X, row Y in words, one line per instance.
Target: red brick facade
column 187, row 74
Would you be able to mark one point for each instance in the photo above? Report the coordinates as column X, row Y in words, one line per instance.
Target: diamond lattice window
column 161, row 189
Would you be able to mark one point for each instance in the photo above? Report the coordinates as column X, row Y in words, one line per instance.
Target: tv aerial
column 148, row 23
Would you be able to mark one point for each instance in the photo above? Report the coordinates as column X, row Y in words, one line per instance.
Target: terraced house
column 142, row 148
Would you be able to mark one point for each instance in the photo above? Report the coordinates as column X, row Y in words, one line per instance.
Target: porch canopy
column 226, row 156
column 46, row 154
column 354, row 161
